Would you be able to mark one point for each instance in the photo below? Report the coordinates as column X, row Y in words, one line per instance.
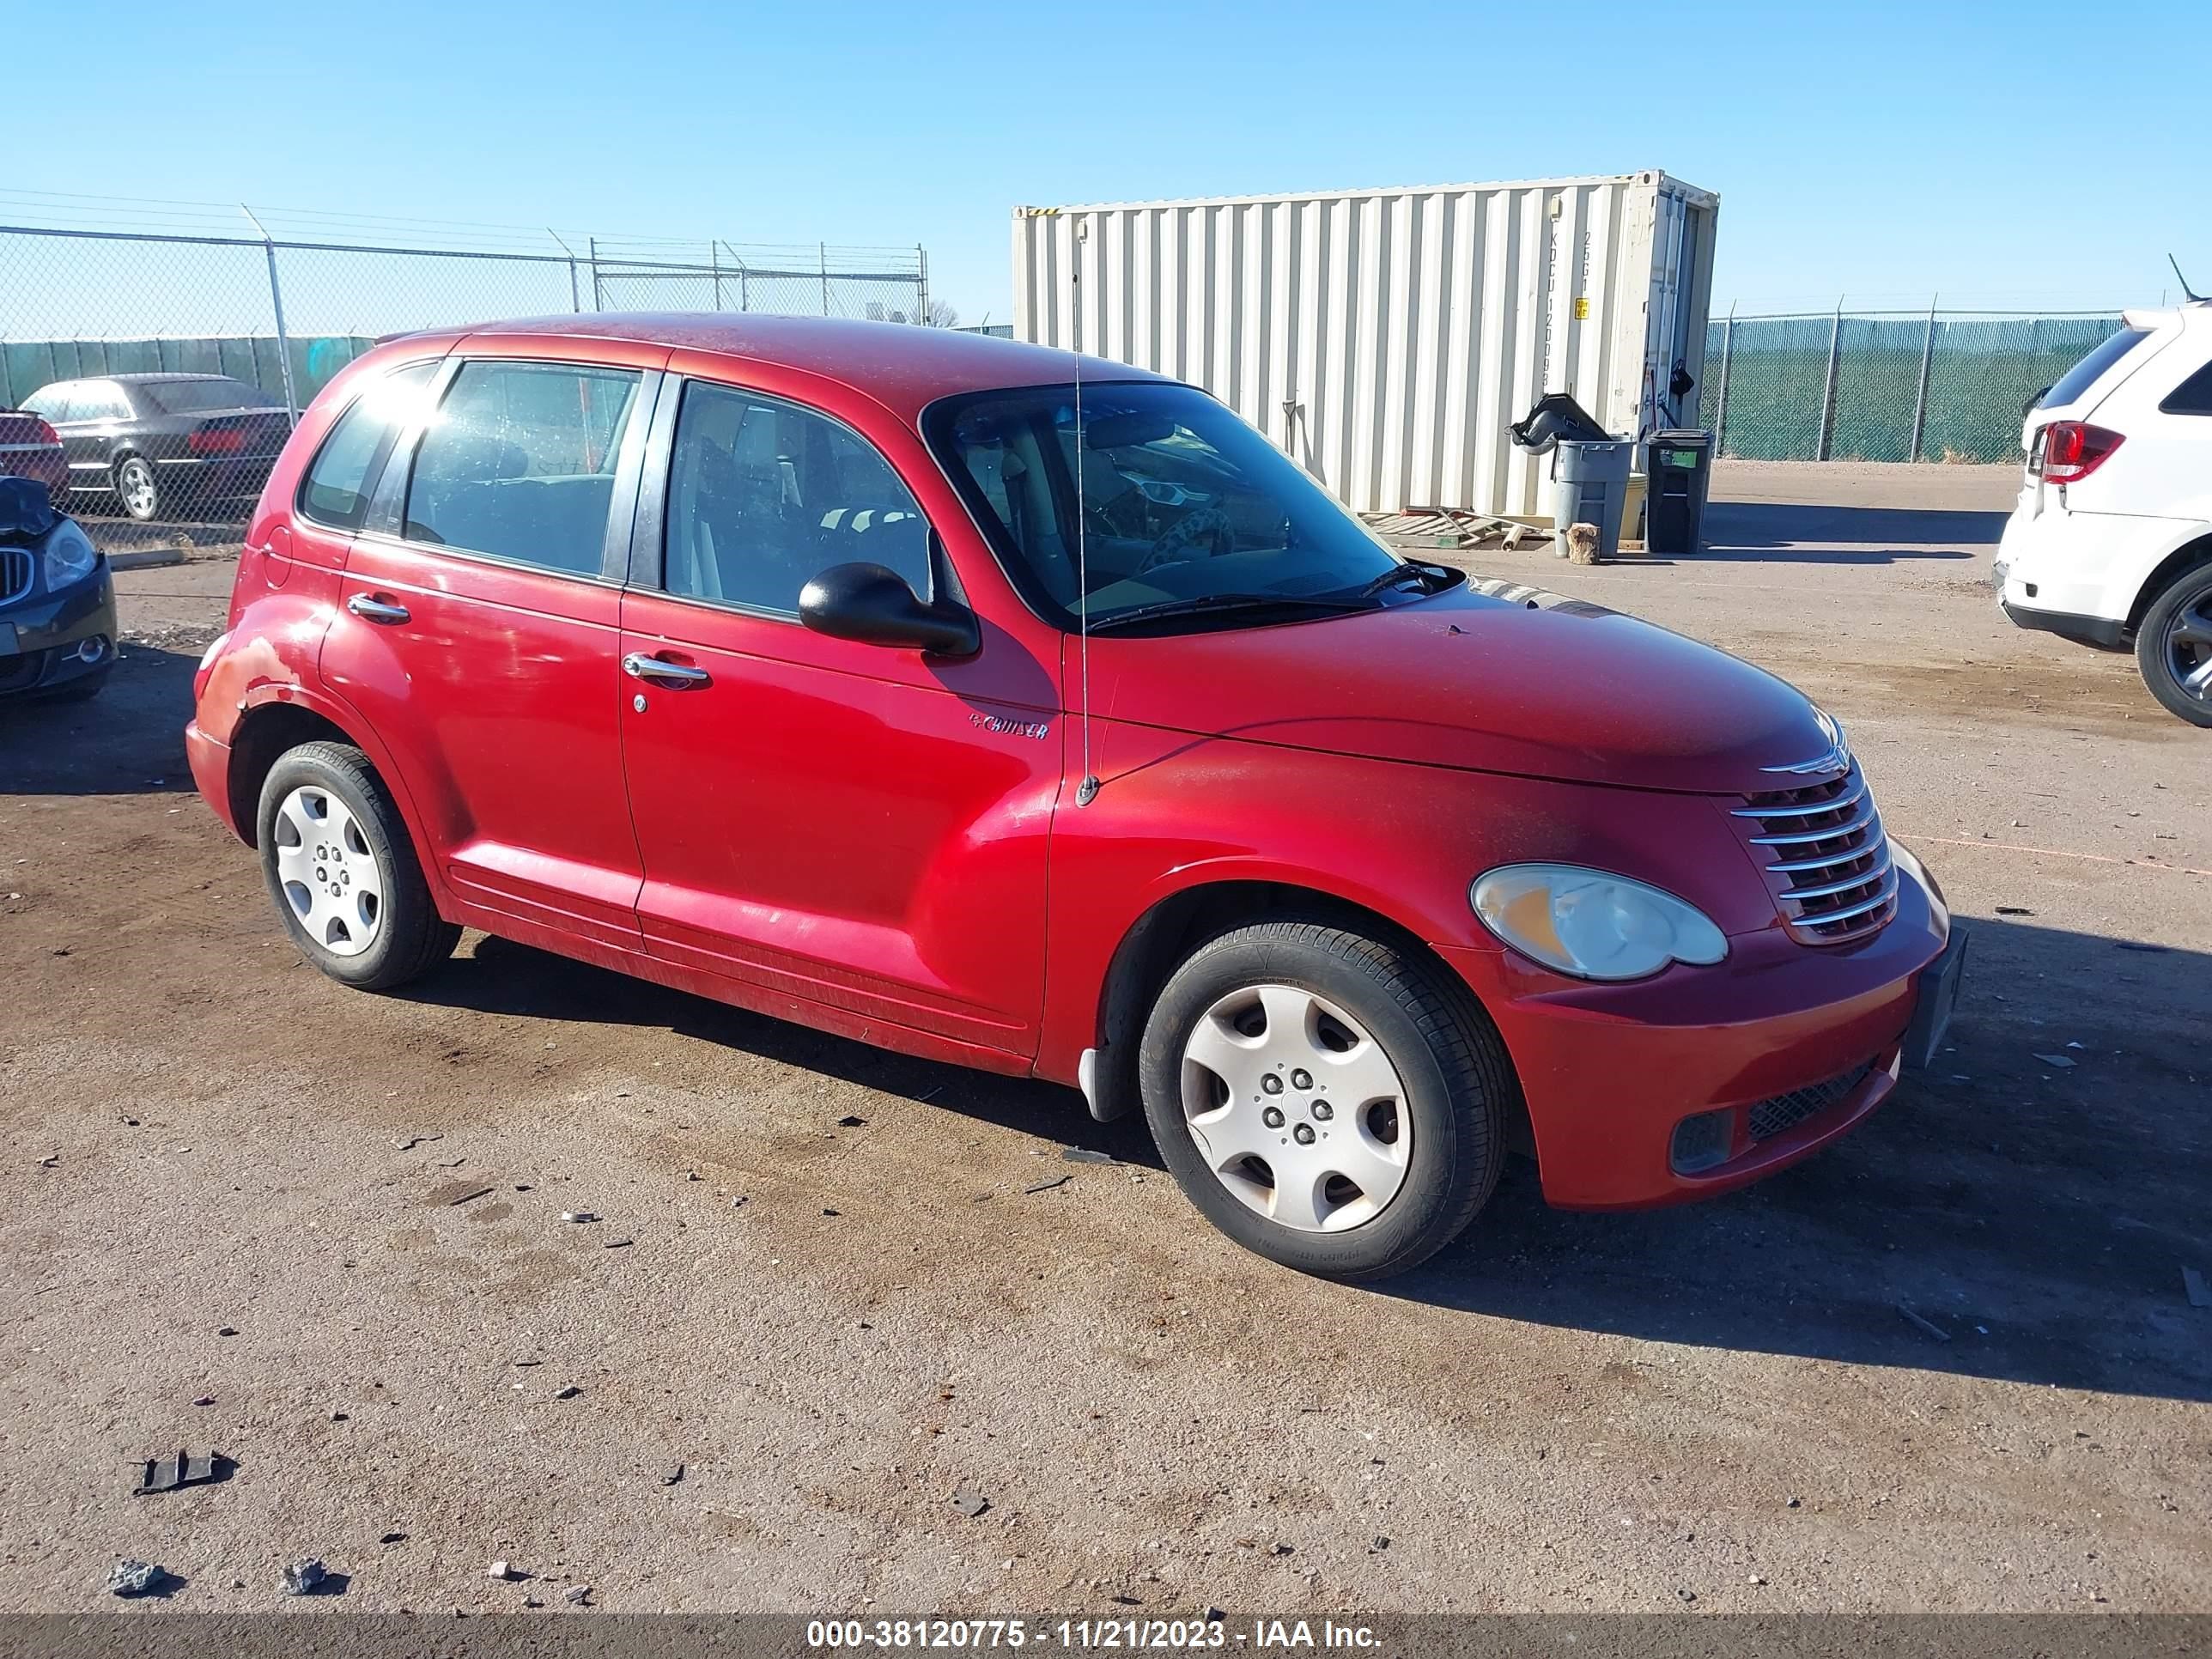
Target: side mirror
column 874, row 605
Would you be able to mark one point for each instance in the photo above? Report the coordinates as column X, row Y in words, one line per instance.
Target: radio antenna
column 1087, row 791
column 2194, row 298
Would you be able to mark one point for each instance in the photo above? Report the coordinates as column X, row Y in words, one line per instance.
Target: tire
column 136, row 489
column 322, row 903
column 1453, row 1083
column 2174, row 646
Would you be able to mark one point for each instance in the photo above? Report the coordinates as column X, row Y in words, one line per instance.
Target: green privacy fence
column 1931, row 385
column 26, row 365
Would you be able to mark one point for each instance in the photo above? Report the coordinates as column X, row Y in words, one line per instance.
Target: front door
column 831, row 823
column 476, row 632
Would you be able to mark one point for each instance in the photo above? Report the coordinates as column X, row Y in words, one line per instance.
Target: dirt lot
column 235, row 1211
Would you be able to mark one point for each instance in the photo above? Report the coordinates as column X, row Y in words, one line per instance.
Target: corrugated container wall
column 1385, row 338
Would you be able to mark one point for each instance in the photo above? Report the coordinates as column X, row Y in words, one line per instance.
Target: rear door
column 844, row 824
column 475, row 631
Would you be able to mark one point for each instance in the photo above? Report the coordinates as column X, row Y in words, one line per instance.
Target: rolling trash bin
column 1590, row 485
column 1680, row 468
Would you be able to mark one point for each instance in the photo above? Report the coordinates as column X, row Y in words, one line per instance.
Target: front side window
column 763, row 495
column 518, row 463
column 1178, row 501
column 336, row 491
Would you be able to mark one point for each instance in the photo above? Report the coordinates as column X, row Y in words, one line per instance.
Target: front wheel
column 2174, row 646
column 135, row 488
column 1327, row 1100
column 339, row 865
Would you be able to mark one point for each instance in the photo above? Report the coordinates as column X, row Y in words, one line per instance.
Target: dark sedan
column 163, row 445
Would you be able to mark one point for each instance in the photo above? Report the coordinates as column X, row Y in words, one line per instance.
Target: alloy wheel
column 2189, row 647
column 1296, row 1108
column 329, row 871
column 134, row 480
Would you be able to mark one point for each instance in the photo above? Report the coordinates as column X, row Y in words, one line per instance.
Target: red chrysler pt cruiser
column 1036, row 714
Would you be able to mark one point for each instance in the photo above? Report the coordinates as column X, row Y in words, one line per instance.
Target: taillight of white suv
column 2072, row 450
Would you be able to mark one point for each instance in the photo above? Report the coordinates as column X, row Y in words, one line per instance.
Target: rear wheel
column 342, row 871
column 135, row 488
column 1327, row 1100
column 2174, row 646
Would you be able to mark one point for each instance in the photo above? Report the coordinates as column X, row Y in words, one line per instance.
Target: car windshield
column 1181, row 504
column 195, row 397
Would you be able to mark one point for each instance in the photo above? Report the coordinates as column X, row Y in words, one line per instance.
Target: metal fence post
column 922, row 286
column 576, row 301
column 591, row 245
column 715, row 263
column 1720, row 404
column 276, row 305
column 1920, row 397
column 1828, row 392
column 823, row 247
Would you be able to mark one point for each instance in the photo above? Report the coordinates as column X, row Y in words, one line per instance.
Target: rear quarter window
column 2192, row 397
column 336, row 491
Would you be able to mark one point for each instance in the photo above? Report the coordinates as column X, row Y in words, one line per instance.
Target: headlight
column 1592, row 925
column 70, row 555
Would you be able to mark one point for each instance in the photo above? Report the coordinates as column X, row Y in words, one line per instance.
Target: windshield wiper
column 1399, row 572
column 1205, row 603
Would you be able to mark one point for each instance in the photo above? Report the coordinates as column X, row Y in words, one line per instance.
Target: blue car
column 57, row 601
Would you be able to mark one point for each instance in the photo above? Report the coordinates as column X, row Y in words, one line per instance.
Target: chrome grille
column 1824, row 856
column 15, row 574
column 1770, row 1117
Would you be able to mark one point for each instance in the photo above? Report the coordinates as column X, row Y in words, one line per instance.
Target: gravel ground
column 1950, row 1365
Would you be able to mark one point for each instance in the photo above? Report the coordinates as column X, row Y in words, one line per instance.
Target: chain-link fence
column 1928, row 386
column 94, row 325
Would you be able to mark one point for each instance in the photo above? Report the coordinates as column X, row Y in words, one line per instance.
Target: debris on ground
column 852, row 1121
column 970, row 1503
column 1046, row 1186
column 1685, row 1593
column 502, row 1571
column 393, row 1538
column 620, row 1243
column 671, row 1474
column 52, row 1160
column 1084, row 1155
column 412, row 1141
column 577, row 1595
column 568, row 1393
column 130, row 1577
column 1929, row 1327
column 2193, row 1286
column 471, row 1198
column 577, row 1215
column 226, row 1330
column 301, row 1577
column 171, row 1470
column 1214, row 1615
column 1793, row 1504
column 204, row 1399
column 2059, row 1062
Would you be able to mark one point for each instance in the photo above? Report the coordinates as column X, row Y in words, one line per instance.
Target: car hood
column 1488, row 676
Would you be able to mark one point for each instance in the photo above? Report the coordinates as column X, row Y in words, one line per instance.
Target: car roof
column 901, row 366
column 152, row 376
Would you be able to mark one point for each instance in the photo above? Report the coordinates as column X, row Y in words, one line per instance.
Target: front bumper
column 46, row 640
column 1809, row 1039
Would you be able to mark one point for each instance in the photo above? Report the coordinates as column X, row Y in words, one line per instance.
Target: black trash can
column 1678, row 467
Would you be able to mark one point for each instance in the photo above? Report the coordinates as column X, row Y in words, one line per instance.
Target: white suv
column 2111, row 542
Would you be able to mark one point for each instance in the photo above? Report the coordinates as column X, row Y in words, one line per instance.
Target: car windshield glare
column 1178, row 500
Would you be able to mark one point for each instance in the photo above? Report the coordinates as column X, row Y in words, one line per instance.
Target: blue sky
column 2032, row 154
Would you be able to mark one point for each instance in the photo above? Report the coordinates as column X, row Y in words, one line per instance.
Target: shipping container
column 1385, row 338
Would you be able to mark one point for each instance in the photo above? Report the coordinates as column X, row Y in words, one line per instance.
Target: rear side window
column 2192, row 397
column 519, row 463
column 764, row 495
column 336, row 491
column 2078, row 379
column 199, row 396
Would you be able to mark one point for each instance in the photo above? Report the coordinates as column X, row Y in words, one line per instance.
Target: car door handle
column 639, row 667
column 376, row 610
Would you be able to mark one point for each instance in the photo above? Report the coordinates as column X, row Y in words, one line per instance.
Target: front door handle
column 639, row 667
column 376, row 610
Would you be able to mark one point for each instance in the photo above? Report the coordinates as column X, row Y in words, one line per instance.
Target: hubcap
column 328, row 872
column 137, row 487
column 2189, row 647
column 1296, row 1109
